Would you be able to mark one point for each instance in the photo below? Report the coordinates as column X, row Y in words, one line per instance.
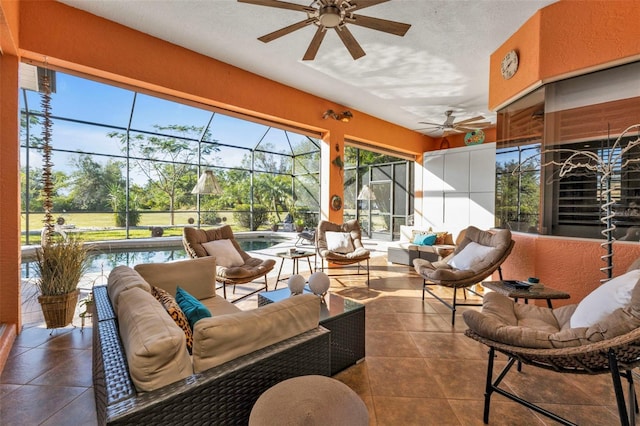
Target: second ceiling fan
column 336, row 14
column 451, row 126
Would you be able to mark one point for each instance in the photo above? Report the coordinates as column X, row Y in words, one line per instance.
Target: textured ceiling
column 441, row 63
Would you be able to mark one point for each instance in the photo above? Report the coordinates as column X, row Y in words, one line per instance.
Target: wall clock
column 509, row 64
column 475, row 137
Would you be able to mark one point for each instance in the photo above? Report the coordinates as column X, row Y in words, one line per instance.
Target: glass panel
column 518, row 195
column 157, row 115
column 274, row 163
column 307, row 163
column 350, row 192
column 237, row 132
column 225, row 156
column 303, row 144
column 86, row 100
column 381, row 207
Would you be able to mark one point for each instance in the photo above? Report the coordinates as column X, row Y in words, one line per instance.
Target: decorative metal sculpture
column 605, row 167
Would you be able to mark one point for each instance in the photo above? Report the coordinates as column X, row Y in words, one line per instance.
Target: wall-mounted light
column 344, row 116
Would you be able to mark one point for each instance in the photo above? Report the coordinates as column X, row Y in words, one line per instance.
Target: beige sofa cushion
column 219, row 306
column 122, row 278
column 196, row 276
column 155, row 346
column 226, row 337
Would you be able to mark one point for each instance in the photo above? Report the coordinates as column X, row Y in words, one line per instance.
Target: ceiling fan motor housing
column 330, row 16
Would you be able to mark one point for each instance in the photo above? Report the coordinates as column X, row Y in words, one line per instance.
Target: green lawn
column 101, row 226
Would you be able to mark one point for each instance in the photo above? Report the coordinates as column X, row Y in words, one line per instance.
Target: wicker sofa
column 405, row 251
column 218, row 387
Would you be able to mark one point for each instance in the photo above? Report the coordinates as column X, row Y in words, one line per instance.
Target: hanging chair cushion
column 531, row 326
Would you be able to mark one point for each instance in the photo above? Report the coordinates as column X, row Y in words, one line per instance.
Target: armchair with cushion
column 234, row 265
column 600, row 335
column 478, row 255
column 341, row 244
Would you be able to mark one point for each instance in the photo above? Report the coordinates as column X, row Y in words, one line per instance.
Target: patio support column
column 10, row 211
column 331, row 175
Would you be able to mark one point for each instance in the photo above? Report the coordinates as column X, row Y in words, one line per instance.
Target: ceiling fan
column 451, row 126
column 334, row 14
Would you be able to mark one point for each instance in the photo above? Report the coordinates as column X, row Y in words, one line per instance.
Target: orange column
column 10, row 190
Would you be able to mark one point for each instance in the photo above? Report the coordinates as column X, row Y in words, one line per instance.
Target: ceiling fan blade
column 391, row 27
column 479, row 125
column 279, row 4
column 350, row 42
column 468, row 120
column 361, row 4
column 430, row 123
column 465, row 129
column 286, row 30
column 312, row 50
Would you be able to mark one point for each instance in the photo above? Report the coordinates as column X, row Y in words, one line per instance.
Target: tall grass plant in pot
column 60, row 264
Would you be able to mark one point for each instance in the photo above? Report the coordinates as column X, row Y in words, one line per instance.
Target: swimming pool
column 104, row 258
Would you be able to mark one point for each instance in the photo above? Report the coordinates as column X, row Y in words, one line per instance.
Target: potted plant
column 61, row 262
column 273, row 220
column 299, row 224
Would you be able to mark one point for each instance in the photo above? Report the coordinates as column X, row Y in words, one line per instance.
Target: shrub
column 242, row 215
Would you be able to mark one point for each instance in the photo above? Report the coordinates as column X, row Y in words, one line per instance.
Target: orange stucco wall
column 565, row 39
column 569, row 264
column 9, row 181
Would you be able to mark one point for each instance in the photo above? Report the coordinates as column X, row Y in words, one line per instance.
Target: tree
column 92, row 182
column 517, row 196
column 166, row 160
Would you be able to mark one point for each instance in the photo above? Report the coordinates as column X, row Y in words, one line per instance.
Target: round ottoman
column 309, row 400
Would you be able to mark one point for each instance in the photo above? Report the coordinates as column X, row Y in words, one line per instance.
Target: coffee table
column 547, row 293
column 343, row 317
column 295, row 257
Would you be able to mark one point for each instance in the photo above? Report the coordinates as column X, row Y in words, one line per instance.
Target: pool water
column 102, row 262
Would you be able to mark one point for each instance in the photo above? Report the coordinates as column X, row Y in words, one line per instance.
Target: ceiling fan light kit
column 335, row 14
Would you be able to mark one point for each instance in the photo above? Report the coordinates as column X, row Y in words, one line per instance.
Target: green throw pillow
column 192, row 308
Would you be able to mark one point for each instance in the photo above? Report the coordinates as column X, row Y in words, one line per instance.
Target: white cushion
column 339, row 242
column 602, row 301
column 469, row 255
column 225, row 253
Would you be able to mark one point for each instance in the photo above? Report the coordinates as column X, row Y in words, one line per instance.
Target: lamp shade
column 366, row 194
column 207, row 184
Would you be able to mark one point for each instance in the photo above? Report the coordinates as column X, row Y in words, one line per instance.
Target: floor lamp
column 207, row 184
column 366, row 194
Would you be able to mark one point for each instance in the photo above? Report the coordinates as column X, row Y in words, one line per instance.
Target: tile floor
column 418, row 369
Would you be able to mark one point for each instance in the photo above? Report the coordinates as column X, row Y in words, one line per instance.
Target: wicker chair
column 611, row 346
column 252, row 269
column 354, row 255
column 443, row 274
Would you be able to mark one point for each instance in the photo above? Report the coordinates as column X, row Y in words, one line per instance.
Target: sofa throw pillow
column 428, row 239
column 225, row 253
column 192, row 307
column 339, row 242
column 441, row 238
column 602, row 301
column 469, row 255
column 173, row 309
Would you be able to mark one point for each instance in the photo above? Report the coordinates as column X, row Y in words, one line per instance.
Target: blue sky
column 90, row 101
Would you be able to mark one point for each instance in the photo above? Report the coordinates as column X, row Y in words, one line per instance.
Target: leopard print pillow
column 172, row 308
